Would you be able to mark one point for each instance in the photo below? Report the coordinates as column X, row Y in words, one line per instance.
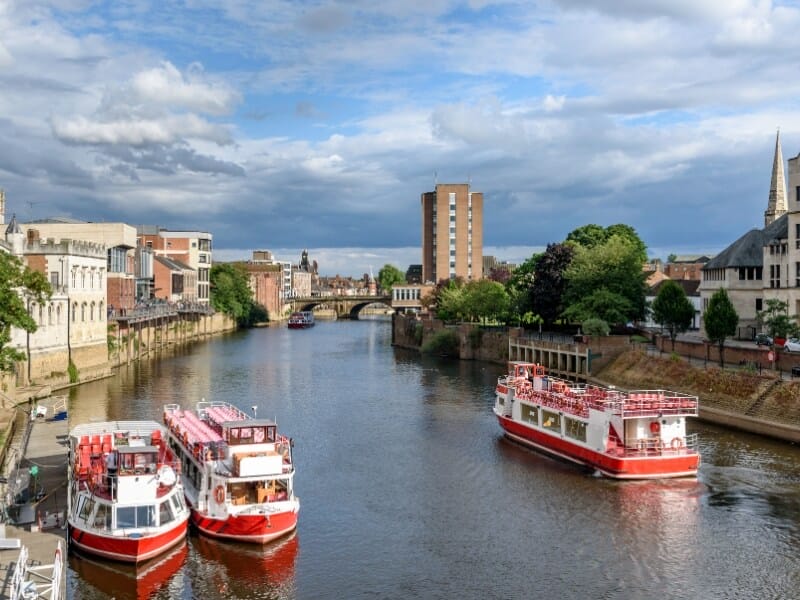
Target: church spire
column 777, row 187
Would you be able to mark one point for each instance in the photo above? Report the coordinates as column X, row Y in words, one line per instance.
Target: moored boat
column 237, row 472
column 302, row 319
column 124, row 499
column 622, row 434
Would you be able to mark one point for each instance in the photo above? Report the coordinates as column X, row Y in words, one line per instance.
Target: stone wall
column 733, row 354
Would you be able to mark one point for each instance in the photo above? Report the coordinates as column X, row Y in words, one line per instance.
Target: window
column 116, row 259
column 149, row 244
column 551, row 420
column 54, row 278
column 759, row 304
column 575, row 429
column 529, row 414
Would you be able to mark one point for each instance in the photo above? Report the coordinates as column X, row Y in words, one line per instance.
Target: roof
column 690, row 286
column 691, row 258
column 13, row 226
column 60, row 220
column 172, row 264
column 748, row 250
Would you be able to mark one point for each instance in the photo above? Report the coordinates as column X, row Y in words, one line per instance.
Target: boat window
column 551, row 420
column 164, row 513
column 177, row 503
column 258, row 435
column 86, row 509
column 575, row 429
column 126, row 516
column 146, row 516
column 270, row 434
column 529, row 414
column 102, row 519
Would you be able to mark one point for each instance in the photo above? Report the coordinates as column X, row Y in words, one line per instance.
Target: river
column 408, row 489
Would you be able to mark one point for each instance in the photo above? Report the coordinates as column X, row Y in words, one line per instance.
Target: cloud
column 168, row 86
column 138, row 132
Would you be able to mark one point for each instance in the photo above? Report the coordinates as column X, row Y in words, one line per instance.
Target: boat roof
column 112, row 426
column 136, row 449
column 248, row 423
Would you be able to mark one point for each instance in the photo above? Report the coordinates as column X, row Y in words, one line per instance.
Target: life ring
column 676, row 443
column 655, row 427
column 219, row 494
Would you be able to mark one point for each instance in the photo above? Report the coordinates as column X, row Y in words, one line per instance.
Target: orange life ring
column 676, row 443
column 655, row 427
column 219, row 494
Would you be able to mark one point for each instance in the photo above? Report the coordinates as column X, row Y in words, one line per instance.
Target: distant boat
column 237, row 472
column 623, row 435
column 125, row 501
column 302, row 319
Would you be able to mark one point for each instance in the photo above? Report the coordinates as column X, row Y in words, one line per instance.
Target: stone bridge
column 346, row 307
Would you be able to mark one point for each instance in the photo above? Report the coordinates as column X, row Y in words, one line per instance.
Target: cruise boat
column 302, row 319
column 124, row 498
column 237, row 472
column 623, row 435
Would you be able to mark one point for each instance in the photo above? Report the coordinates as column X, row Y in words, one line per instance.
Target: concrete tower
column 14, row 237
column 777, row 188
column 2, row 207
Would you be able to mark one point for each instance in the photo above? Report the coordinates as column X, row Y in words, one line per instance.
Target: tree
column 18, row 284
column 519, row 286
column 672, row 309
column 601, row 304
column 549, row 283
column 231, row 293
column 587, row 236
column 389, row 276
column 720, row 320
column 484, row 299
column 777, row 320
column 614, row 266
column 628, row 233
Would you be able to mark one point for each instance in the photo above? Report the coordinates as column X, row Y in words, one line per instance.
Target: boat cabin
column 137, row 460
column 251, row 431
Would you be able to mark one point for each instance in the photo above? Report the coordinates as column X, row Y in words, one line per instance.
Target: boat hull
column 252, row 529
column 678, row 464
column 126, row 549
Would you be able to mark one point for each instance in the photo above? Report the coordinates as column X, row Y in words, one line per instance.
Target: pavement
column 35, row 498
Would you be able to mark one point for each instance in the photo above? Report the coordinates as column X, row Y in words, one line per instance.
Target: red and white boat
column 624, row 435
column 124, row 499
column 302, row 319
column 237, row 472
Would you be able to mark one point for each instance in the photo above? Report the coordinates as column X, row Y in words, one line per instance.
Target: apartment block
column 452, row 233
column 193, row 248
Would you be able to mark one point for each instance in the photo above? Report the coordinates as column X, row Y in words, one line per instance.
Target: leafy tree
column 614, row 266
column 672, row 258
column 720, row 320
column 588, row 236
column 389, row 276
column 18, row 284
column 431, row 301
column 628, row 233
column 519, row 286
column 595, row 327
column 672, row 309
column 549, row 283
column 484, row 299
column 777, row 320
column 499, row 274
column 450, row 304
column 230, row 291
column 601, row 303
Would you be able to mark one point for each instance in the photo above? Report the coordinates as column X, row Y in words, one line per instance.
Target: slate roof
column 13, row 226
column 690, row 286
column 172, row 264
column 747, row 251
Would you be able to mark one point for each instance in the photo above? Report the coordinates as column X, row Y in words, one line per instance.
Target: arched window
column 49, row 314
column 74, row 278
column 41, row 315
column 83, row 312
column 91, row 312
column 91, row 279
column 74, row 311
column 58, row 314
column 100, row 313
column 83, row 279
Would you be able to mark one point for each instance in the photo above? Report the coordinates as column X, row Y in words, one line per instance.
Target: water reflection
column 123, row 581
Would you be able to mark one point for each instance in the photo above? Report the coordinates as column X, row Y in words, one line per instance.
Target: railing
column 160, row 309
column 677, row 445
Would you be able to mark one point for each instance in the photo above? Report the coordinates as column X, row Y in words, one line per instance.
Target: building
column 119, row 240
column 690, row 288
column 686, row 266
column 452, row 233
column 192, row 248
column 266, row 281
column 173, row 281
column 414, row 274
column 71, row 326
column 408, row 298
column 762, row 263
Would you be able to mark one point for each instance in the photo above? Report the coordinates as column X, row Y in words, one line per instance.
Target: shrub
column 73, row 372
column 444, row 343
column 418, row 331
column 596, row 327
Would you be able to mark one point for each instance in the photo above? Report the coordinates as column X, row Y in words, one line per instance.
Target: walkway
column 36, row 512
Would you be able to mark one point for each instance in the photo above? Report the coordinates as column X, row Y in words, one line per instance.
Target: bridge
column 346, row 307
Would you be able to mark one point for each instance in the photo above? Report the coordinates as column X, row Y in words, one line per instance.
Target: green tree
column 389, row 276
column 549, row 282
column 231, row 293
column 450, row 302
column 776, row 319
column 18, row 285
column 484, row 300
column 519, row 286
column 587, row 236
column 672, row 309
column 614, row 266
column 628, row 233
column 720, row 320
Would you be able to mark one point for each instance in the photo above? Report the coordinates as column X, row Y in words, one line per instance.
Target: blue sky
column 287, row 125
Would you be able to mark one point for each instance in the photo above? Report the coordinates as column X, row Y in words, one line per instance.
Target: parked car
column 792, row 345
column 762, row 339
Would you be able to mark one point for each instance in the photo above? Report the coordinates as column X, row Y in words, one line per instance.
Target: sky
column 286, row 124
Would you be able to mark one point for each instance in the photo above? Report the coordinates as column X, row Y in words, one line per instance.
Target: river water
column 409, row 490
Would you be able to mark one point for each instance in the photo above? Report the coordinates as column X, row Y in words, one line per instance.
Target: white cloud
column 166, row 85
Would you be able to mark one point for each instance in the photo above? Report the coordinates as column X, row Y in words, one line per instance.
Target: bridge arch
column 346, row 307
